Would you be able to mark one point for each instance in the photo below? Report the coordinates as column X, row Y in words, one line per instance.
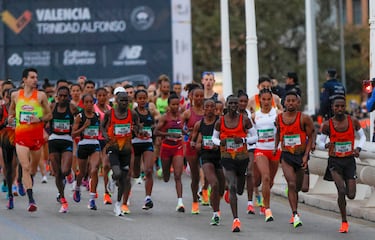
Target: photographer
column 370, row 104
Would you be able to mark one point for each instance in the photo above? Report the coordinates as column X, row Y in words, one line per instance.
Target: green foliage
column 281, row 40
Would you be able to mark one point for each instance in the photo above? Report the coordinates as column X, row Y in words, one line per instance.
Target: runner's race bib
column 266, row 135
column 122, row 129
column 207, row 142
column 292, row 140
column 61, row 125
column 148, row 131
column 231, row 146
column 25, row 117
column 175, row 131
column 91, row 132
column 343, row 148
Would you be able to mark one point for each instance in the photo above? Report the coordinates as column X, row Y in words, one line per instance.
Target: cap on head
column 118, row 90
column 292, row 75
column 331, row 72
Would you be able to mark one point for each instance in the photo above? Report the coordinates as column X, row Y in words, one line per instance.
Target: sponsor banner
column 64, row 39
column 85, row 21
column 181, row 42
column 138, row 62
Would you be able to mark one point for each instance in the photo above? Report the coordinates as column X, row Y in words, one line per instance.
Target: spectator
column 291, row 84
column 277, row 89
column 371, row 98
column 331, row 89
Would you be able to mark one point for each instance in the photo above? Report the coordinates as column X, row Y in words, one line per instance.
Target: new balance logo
column 130, row 52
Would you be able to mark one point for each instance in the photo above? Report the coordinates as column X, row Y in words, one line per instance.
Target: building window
column 357, row 12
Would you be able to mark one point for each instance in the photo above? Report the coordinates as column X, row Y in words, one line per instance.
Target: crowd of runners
column 126, row 132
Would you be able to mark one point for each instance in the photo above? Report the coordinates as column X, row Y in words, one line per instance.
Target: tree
column 281, row 40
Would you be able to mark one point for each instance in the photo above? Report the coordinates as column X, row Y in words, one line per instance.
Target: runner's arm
column 47, row 114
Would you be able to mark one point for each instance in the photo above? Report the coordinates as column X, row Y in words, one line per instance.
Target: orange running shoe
column 291, row 220
column 269, row 216
column 205, row 200
column 125, row 209
column 195, row 208
column 344, row 227
column 250, row 209
column 107, row 199
column 64, row 206
column 262, row 211
column 236, row 226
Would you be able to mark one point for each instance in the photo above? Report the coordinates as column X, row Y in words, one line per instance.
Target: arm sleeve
column 362, row 138
column 252, row 136
column 216, row 137
column 321, row 141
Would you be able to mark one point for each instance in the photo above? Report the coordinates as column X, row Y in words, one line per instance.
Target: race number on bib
column 122, row 129
column 266, row 135
column 207, row 142
column 91, row 132
column 148, row 131
column 25, row 117
column 61, row 125
column 343, row 148
column 292, row 140
column 175, row 131
column 232, row 146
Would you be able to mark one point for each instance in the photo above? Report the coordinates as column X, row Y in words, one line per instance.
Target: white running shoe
column 117, row 209
column 44, row 179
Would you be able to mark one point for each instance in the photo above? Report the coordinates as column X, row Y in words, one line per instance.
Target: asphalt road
column 163, row 222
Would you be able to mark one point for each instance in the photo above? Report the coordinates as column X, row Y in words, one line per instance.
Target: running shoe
column 268, row 217
column 32, row 207
column 10, row 204
column 159, row 173
column 125, row 209
column 195, row 208
column 205, row 201
column 148, row 204
column 262, row 211
column 259, row 201
column 58, row 198
column 297, row 221
column 77, row 196
column 107, row 199
column 344, row 227
column 236, row 226
column 44, row 179
column 4, row 187
column 70, row 178
column 14, row 190
column 21, row 189
column 250, row 209
column 215, row 221
column 64, row 206
column 92, row 205
column 139, row 180
column 226, row 196
column 291, row 220
column 180, row 208
column 117, row 209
